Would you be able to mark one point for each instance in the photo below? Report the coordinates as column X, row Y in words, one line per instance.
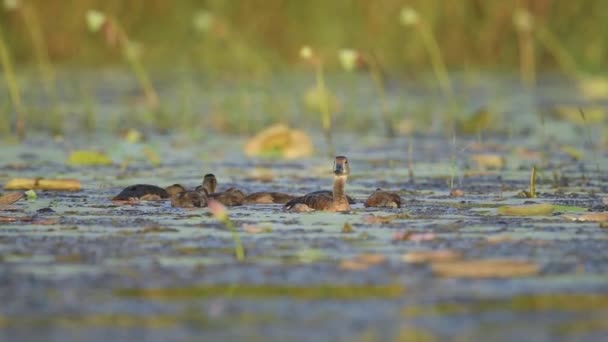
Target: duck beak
column 339, row 169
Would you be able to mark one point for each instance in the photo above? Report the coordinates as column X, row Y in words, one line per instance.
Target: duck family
column 323, row 200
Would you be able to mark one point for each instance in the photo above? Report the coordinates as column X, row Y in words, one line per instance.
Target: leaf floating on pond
column 11, row 198
column 279, row 141
column 362, row 262
column 542, row 209
column 88, row 158
column 591, row 217
column 489, row 268
column 42, row 184
column 419, row 257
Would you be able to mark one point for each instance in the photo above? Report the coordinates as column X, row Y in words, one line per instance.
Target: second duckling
column 383, row 199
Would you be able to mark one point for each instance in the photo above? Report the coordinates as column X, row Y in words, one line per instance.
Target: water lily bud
column 408, row 16
column 523, row 20
column 348, row 59
column 218, row 210
column 202, row 21
column 306, row 52
column 95, row 20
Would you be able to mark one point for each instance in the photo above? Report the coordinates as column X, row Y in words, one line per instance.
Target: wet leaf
column 418, row 257
column 42, row 184
column 456, row 193
column 489, row 268
column 10, row 198
column 88, row 158
column 590, row 217
column 542, row 209
column 488, row 161
column 362, row 262
column 373, row 219
column 279, row 141
column 347, row 228
column 251, row 229
column 31, row 195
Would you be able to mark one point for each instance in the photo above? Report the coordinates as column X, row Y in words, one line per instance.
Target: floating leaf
column 373, row 219
column 362, row 261
column 42, row 184
column 347, row 228
column 489, row 268
column 418, row 257
column 489, row 161
column 590, row 217
column 456, row 193
column 410, row 236
column 11, row 198
column 280, row 141
column 88, row 158
column 31, row 195
column 527, row 210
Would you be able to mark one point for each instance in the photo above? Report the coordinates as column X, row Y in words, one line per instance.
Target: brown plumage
column 230, row 197
column 336, row 201
column 141, row 192
column 209, row 184
column 174, row 189
column 383, row 199
column 189, row 199
column 268, row 198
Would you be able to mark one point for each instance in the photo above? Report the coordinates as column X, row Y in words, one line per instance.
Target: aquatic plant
column 220, row 213
column 116, row 36
column 409, row 17
column 523, row 23
column 13, row 87
column 323, row 98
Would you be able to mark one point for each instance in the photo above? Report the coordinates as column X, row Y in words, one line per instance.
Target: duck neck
column 338, row 193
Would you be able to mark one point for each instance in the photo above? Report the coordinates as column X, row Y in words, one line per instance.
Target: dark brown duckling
column 209, row 184
column 268, row 198
column 230, row 197
column 383, row 199
column 144, row 192
column 189, row 199
column 175, row 189
column 336, row 201
column 330, row 192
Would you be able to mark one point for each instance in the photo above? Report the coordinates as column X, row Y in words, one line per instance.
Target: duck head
column 209, row 183
column 341, row 167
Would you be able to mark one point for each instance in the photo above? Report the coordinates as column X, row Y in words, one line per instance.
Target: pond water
column 88, row 268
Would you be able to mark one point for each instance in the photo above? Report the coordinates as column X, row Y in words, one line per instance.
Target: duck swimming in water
column 383, row 199
column 144, row 192
column 175, row 189
column 230, row 197
column 336, row 201
column 189, row 199
column 268, row 198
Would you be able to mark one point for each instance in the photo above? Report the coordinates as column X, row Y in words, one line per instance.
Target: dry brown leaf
column 489, row 268
column 11, row 198
column 418, row 257
column 362, row 262
column 42, row 184
column 590, row 217
column 456, row 193
column 488, row 161
column 410, row 236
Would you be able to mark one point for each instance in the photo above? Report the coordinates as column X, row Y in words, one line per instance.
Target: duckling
column 268, row 198
column 175, row 189
column 385, row 199
column 329, row 193
column 189, row 199
column 209, row 184
column 336, row 201
column 144, row 192
column 230, row 197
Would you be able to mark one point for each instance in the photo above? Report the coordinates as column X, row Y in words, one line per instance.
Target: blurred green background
column 257, row 36
column 236, row 66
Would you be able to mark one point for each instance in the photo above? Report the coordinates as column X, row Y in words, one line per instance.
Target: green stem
column 533, row 183
column 239, row 251
column 439, row 68
column 379, row 85
column 324, row 106
column 13, row 87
